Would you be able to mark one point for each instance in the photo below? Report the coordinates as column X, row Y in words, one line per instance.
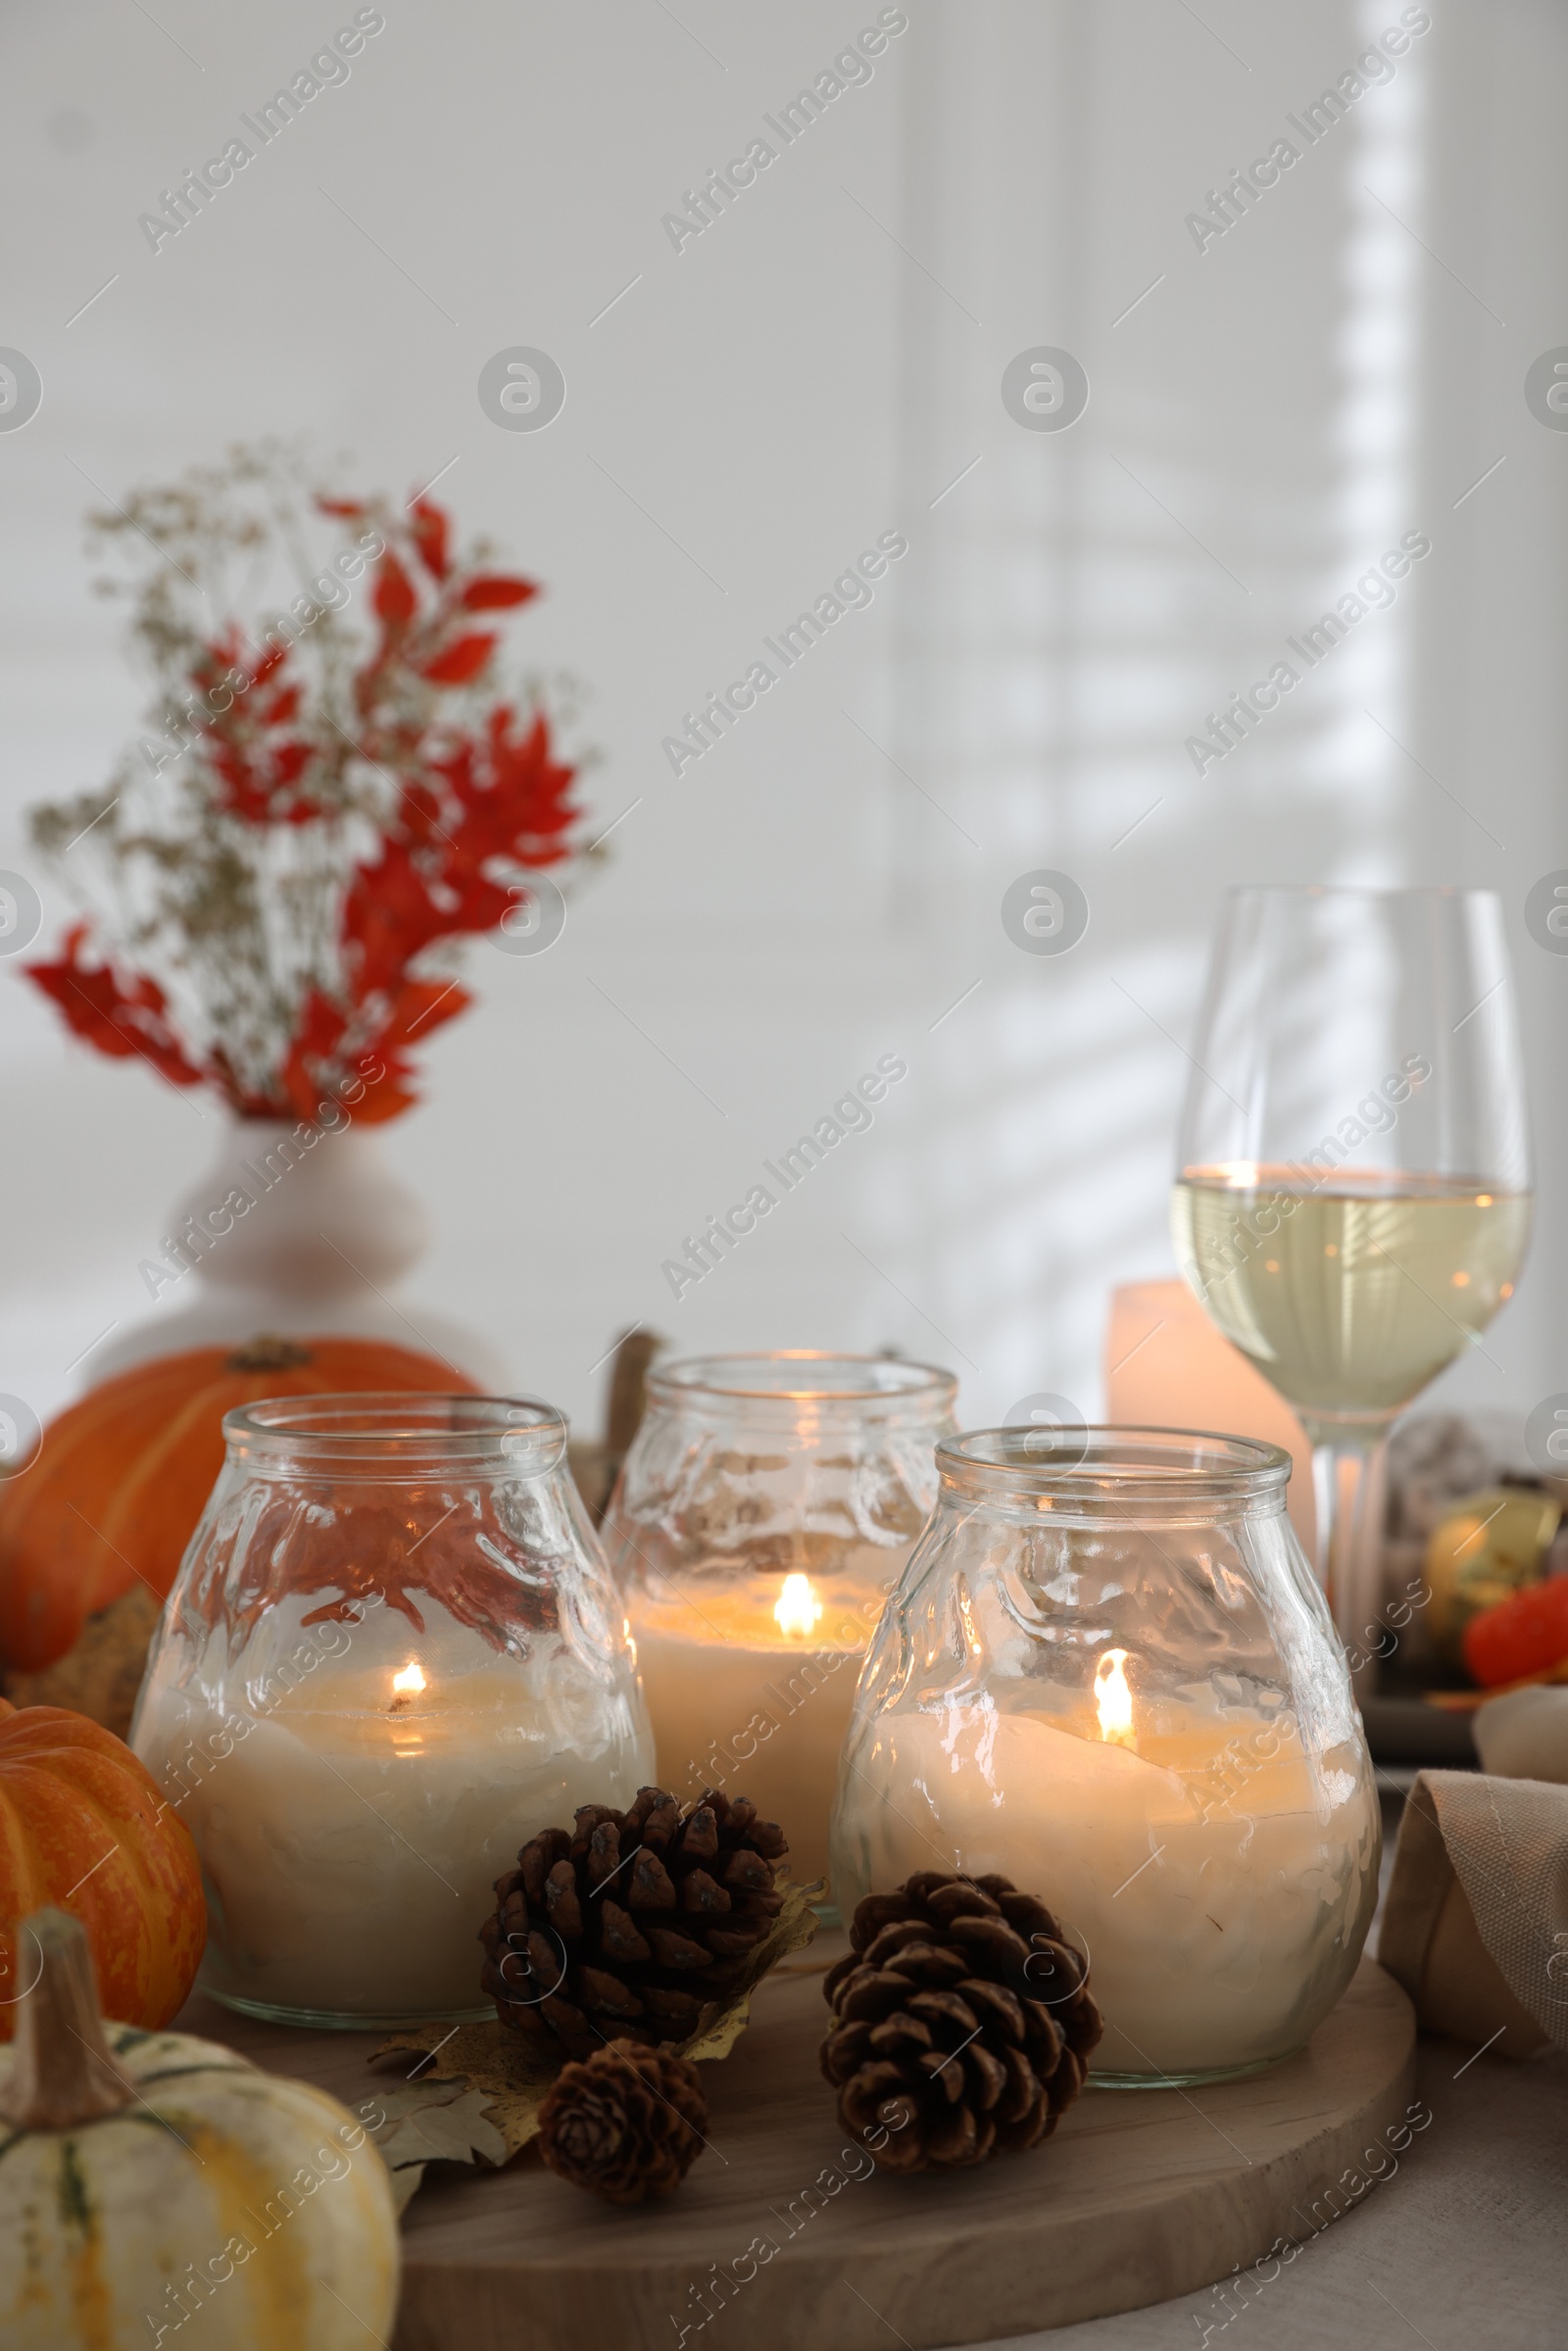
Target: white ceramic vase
column 298, row 1238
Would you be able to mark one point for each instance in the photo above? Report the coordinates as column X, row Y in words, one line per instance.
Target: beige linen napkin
column 1476, row 1923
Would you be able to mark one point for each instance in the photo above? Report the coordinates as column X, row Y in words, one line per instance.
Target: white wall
column 815, row 369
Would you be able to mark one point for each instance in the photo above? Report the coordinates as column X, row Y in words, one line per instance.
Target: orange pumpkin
column 83, row 1829
column 119, row 1482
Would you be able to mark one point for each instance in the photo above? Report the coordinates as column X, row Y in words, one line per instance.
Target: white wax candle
column 351, row 1835
column 1216, row 1881
column 739, row 1701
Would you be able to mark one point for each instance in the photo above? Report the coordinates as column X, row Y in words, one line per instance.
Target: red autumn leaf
column 211, row 667
column 349, row 508
column 289, row 762
column 383, row 1098
column 394, row 600
column 388, row 917
column 118, row 1023
column 462, row 661
column 420, row 813
column 494, row 592
column 418, row 1008
column 300, row 1088
column 430, row 529
column 320, row 1025
column 246, row 793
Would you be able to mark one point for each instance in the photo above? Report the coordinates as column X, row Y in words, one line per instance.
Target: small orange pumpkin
column 119, row 1482
column 83, row 1829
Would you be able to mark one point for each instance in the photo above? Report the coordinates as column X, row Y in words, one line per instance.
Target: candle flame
column 797, row 1609
column 1114, row 1698
column 410, row 1679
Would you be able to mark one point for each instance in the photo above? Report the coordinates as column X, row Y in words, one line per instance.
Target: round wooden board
column 1140, row 2195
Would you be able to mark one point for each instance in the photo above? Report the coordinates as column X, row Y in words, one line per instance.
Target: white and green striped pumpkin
column 159, row 2189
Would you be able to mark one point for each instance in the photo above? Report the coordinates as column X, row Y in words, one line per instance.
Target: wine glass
column 1352, row 1183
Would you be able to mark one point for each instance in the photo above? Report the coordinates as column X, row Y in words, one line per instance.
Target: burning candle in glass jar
column 393, row 1655
column 749, row 1687
column 1193, row 1857
column 351, row 1833
column 1147, row 1722
column 761, row 1520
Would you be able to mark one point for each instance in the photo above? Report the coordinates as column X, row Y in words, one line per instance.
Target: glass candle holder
column 759, row 1522
column 1109, row 1674
column 392, row 1653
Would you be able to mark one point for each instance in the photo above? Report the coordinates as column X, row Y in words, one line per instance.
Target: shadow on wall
column 1093, row 597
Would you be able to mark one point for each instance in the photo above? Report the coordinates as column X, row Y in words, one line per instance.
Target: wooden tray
column 1140, row 2195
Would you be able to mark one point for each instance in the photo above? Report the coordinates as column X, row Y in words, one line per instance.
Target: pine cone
column 632, row 1923
column 941, row 2039
column 629, row 2123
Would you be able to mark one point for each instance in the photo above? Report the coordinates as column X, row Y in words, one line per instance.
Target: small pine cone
column 628, row 2123
column 633, row 1922
column 961, row 2021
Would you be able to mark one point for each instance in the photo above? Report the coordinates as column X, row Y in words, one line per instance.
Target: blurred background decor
column 1469, row 1523
column 333, row 788
column 1266, row 417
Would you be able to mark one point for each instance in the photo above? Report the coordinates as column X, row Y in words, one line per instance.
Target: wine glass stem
column 1348, row 1557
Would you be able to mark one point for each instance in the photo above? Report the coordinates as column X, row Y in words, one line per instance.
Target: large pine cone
column 629, row 2123
column 941, row 2044
column 633, row 1922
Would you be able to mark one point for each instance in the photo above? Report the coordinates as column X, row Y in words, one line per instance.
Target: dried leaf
column 721, row 2024
column 462, row 661
column 440, row 2121
column 432, row 527
column 394, row 598
column 513, row 2074
column 494, row 592
column 510, row 2076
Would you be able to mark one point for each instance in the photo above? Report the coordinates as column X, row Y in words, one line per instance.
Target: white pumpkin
column 148, row 2180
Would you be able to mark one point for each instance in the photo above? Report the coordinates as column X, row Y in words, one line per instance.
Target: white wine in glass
column 1358, row 1294
column 1353, row 1201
